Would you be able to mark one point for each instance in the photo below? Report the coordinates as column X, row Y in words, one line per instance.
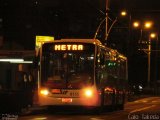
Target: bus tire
column 121, row 106
column 99, row 110
column 114, row 102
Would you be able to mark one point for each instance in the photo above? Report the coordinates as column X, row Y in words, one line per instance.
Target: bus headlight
column 44, row 92
column 88, row 93
column 89, row 96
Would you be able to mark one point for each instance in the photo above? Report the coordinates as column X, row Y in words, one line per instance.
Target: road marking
column 40, row 118
column 138, row 101
column 155, row 101
column 141, row 109
column 97, row 119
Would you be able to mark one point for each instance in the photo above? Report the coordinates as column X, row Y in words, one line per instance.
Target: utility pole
column 107, row 28
column 107, row 9
column 149, row 62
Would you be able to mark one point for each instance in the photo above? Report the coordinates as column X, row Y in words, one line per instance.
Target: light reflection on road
column 139, row 108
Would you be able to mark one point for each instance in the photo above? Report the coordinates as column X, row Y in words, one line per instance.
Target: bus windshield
column 67, row 69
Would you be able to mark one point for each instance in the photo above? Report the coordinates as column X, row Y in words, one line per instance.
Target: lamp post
column 104, row 20
column 151, row 36
column 126, row 15
column 147, row 25
column 149, row 62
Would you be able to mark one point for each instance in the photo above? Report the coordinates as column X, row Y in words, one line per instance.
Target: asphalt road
column 143, row 109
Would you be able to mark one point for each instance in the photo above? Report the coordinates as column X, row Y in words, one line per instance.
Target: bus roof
column 93, row 41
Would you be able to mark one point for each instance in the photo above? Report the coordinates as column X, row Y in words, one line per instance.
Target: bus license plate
column 67, row 100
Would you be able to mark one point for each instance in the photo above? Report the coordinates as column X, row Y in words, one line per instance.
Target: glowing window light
column 14, row 60
column 27, row 62
column 11, row 60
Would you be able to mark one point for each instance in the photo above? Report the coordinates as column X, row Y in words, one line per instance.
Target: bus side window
column 102, row 59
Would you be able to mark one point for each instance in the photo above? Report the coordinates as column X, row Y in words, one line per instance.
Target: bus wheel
column 96, row 111
column 99, row 110
column 121, row 106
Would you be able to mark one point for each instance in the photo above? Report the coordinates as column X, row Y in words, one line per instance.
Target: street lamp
column 147, row 25
column 123, row 13
column 153, row 35
column 143, row 28
column 136, row 24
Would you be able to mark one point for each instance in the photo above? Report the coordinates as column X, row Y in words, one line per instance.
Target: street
column 142, row 109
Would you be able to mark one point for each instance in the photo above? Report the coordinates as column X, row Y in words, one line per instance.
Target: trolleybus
column 81, row 72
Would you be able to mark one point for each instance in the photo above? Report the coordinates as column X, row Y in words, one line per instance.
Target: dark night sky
column 22, row 20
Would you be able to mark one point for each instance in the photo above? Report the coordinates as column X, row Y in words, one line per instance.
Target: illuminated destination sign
column 68, row 47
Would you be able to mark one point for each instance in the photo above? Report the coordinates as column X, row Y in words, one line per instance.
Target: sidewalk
column 12, row 101
column 136, row 97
